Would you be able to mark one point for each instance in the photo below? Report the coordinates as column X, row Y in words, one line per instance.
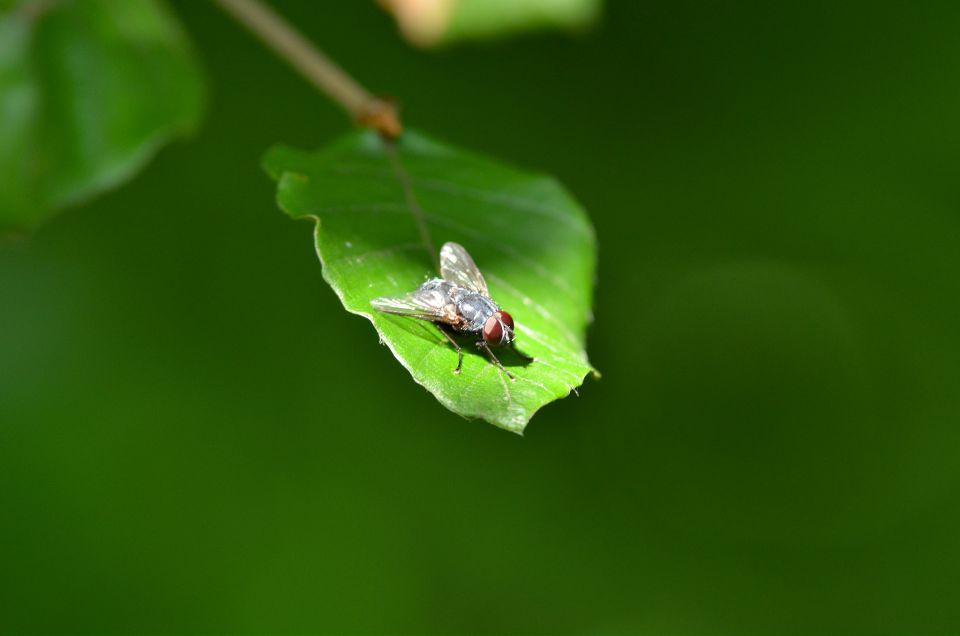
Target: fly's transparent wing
column 457, row 267
column 428, row 302
column 408, row 305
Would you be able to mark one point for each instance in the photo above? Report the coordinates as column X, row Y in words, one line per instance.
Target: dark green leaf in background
column 89, row 89
column 532, row 241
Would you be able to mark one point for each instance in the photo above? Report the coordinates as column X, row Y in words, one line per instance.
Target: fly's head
column 498, row 329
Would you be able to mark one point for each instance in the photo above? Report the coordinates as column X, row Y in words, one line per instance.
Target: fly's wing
column 426, row 303
column 457, row 267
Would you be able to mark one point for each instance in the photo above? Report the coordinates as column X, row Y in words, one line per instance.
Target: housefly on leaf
column 458, row 302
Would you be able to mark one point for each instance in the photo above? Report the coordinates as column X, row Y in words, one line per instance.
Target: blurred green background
column 194, row 436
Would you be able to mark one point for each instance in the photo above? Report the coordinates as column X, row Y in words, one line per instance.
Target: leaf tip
column 273, row 162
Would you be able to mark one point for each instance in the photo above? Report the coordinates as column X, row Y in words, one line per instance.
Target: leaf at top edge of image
column 433, row 23
column 528, row 236
column 89, row 91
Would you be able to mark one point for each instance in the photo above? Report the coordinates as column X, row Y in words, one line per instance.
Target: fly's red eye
column 506, row 318
column 492, row 331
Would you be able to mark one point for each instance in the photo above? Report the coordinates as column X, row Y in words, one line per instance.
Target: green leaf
column 89, row 89
column 445, row 21
column 528, row 236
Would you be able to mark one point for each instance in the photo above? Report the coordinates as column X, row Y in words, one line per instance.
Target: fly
column 458, row 301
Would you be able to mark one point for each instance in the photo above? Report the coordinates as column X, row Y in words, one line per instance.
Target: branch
column 289, row 44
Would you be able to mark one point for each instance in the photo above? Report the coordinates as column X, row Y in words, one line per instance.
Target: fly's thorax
column 474, row 308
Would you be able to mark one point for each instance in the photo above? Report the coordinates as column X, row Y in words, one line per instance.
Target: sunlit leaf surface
column 530, row 238
column 89, row 89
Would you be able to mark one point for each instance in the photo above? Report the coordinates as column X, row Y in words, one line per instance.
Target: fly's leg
column 493, row 358
column 455, row 346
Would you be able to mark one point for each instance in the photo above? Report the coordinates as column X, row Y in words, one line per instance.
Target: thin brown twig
column 368, row 110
